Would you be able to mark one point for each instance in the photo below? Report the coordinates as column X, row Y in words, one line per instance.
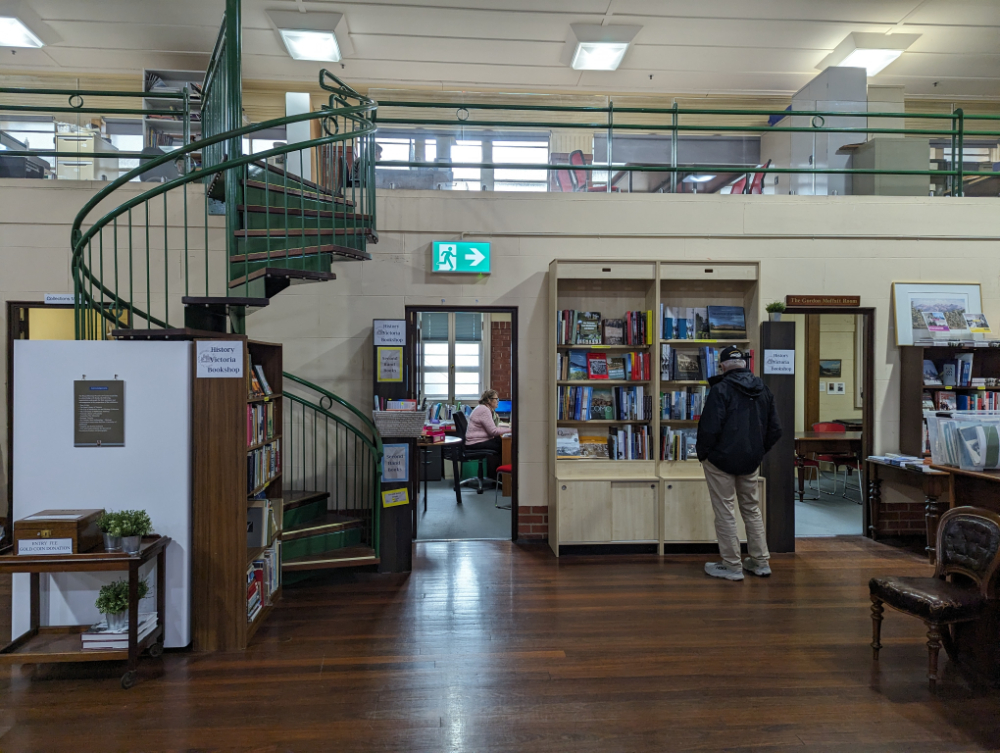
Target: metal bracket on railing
column 459, row 111
column 820, row 124
column 78, row 105
column 336, row 126
column 328, row 404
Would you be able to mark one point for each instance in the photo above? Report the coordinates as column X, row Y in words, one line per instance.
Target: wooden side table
column 50, row 645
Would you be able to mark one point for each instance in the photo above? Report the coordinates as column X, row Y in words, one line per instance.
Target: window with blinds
column 451, row 355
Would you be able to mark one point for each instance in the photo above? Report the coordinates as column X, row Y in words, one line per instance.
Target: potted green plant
column 132, row 526
column 112, row 602
column 774, row 310
column 109, row 525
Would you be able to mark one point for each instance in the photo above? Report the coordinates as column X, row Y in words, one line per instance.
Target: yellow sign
column 395, row 498
column 390, row 364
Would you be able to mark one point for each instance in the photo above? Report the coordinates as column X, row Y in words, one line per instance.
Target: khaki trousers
column 725, row 489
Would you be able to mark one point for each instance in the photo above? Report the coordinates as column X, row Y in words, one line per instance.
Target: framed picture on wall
column 953, row 300
column 829, row 368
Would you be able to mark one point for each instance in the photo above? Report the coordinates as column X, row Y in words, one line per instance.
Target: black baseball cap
column 731, row 353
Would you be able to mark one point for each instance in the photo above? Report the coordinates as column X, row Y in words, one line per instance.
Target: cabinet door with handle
column 633, row 511
column 584, row 511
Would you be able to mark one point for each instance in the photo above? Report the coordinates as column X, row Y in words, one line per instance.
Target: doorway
column 834, row 419
column 458, row 353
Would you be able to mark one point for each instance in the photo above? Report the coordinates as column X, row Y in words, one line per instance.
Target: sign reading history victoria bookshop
column 98, row 413
column 463, row 258
column 396, row 462
column 219, row 359
column 779, row 361
column 389, row 331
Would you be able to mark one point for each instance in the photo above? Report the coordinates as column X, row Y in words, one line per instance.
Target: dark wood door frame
column 867, row 389
column 411, row 312
column 812, row 355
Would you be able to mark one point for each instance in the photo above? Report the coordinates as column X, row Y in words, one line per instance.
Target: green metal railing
column 667, row 120
column 340, row 455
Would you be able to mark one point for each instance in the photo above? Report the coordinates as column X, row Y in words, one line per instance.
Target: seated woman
column 484, row 430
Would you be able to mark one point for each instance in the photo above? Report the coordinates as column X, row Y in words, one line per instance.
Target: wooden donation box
column 57, row 532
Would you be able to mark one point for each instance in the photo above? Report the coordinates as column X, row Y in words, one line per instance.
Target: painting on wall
column 943, row 304
column 829, row 368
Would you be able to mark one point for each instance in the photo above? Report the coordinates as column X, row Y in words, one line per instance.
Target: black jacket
column 738, row 423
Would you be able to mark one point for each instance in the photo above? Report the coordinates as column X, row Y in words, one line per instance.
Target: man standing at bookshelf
column 738, row 425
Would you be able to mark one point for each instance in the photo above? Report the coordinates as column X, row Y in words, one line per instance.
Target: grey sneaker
column 758, row 568
column 722, row 570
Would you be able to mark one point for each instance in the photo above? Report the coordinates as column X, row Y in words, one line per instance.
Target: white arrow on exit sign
column 475, row 257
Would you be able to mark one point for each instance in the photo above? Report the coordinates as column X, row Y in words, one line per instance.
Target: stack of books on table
column 101, row 637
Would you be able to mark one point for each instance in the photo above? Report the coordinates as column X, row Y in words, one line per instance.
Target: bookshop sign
column 219, row 359
column 465, row 258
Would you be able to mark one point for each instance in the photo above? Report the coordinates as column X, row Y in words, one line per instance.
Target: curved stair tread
column 326, row 523
column 349, row 556
column 297, row 212
column 293, row 232
column 337, row 251
column 291, row 500
column 325, row 196
column 282, row 276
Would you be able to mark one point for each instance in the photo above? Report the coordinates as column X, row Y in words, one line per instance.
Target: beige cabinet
column 584, row 511
column 688, row 515
column 634, row 511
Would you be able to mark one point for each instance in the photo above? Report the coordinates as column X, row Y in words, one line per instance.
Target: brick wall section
column 500, row 359
column 533, row 523
column 901, row 519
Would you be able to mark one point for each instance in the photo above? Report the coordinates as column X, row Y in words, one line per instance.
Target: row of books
column 692, row 365
column 621, row 443
column 263, row 579
column 262, row 522
column 708, row 323
column 683, row 405
column 587, row 328
column 260, row 423
column 387, row 403
column 604, row 404
column 580, row 364
column 257, row 384
column 678, row 444
column 263, row 465
column 947, row 400
column 99, row 637
column 955, row 372
column 932, row 342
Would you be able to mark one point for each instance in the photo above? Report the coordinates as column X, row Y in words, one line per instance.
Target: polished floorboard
column 491, row 646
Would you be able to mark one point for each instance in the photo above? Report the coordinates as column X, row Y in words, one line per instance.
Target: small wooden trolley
column 55, row 644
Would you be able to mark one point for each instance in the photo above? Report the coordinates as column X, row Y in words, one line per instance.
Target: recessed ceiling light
column 13, row 33
column 870, row 51
column 698, row 178
column 591, row 47
column 311, row 45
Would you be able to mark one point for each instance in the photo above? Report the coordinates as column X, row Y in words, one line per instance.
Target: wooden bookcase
column 985, row 363
column 220, row 495
column 638, row 501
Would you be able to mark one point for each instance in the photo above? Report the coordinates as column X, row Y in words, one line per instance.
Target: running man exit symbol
column 468, row 258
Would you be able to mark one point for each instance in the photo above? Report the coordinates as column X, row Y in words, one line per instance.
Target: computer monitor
column 504, row 406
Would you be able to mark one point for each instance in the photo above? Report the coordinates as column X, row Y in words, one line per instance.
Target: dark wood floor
column 492, row 647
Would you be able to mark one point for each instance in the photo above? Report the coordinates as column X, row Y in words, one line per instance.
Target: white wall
column 151, row 472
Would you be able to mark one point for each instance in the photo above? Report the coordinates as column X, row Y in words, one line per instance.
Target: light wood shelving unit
column 220, row 556
column 639, row 501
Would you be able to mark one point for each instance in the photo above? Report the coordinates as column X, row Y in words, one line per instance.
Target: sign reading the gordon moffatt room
column 842, row 301
column 99, row 413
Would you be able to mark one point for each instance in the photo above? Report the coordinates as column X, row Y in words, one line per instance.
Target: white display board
column 151, row 472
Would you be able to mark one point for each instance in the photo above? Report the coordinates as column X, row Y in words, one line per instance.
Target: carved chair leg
column 877, row 610
column 933, row 647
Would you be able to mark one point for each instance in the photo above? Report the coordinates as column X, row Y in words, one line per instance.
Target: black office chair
column 463, row 454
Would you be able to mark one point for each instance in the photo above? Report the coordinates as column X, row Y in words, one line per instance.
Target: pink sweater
column 481, row 426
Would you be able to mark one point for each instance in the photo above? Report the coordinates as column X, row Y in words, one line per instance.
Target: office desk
column 424, row 446
column 826, row 443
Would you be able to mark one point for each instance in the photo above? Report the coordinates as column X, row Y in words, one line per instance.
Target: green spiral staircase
column 198, row 254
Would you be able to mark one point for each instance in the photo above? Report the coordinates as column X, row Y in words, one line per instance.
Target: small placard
column 389, row 331
column 219, row 359
column 99, row 413
column 841, row 301
column 60, row 299
column 45, row 546
column 396, row 462
column 779, row 361
column 390, row 364
column 395, row 498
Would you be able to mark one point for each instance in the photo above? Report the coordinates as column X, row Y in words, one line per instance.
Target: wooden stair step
column 282, row 276
column 174, row 333
column 293, row 232
column 291, row 500
column 335, row 250
column 263, row 165
column 327, row 523
column 350, row 556
column 326, row 196
column 297, row 212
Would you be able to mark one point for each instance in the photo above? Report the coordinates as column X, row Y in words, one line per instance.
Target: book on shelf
column 580, row 365
column 683, row 404
column 100, row 636
column 587, row 403
column 597, row 366
column 567, row 442
column 587, row 328
column 263, row 465
column 727, row 323
column 262, row 523
column 613, row 331
column 945, row 400
column 594, row 447
column 932, row 376
column 260, row 423
column 263, row 579
column 681, row 364
column 678, row 444
column 702, row 323
column 629, row 443
column 400, row 405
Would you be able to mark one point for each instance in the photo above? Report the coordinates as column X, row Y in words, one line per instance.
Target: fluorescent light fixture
column 321, row 37
column 591, row 47
column 13, row 33
column 311, row 45
column 868, row 50
column 698, row 178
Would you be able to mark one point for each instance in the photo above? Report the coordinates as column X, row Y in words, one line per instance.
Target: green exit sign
column 453, row 256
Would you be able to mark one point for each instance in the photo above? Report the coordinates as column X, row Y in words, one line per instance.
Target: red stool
column 503, row 470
